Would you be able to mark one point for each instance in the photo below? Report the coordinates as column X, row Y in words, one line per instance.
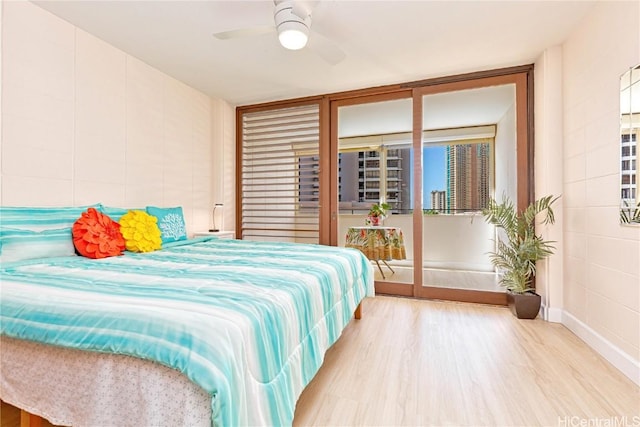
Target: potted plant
column 377, row 213
column 519, row 249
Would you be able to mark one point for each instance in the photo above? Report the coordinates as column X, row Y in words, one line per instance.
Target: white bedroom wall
column 84, row 122
column 601, row 280
column 1, row 15
column 224, row 163
column 549, row 174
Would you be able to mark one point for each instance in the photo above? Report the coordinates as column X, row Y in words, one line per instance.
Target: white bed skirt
column 81, row 388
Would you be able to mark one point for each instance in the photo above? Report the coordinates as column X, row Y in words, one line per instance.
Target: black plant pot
column 524, row 306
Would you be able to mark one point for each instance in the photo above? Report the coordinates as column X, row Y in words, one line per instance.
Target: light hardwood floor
column 418, row 363
column 415, row 362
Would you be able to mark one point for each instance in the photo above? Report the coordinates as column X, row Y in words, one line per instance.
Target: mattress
column 247, row 322
column 80, row 388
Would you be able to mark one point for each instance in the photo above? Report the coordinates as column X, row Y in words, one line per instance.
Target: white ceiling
column 385, row 42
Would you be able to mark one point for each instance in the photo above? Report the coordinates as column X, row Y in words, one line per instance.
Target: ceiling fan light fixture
column 293, row 35
column 293, row 30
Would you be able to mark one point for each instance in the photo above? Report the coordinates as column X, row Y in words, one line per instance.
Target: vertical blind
column 280, row 174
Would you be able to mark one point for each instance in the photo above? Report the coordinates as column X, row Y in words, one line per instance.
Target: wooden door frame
column 521, row 76
column 524, row 166
column 323, row 141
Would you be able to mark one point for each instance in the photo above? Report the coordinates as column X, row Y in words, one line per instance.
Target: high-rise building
column 439, row 200
column 468, row 175
column 367, row 182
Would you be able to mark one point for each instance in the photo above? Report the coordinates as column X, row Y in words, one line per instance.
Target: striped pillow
column 37, row 232
column 19, row 245
column 40, row 218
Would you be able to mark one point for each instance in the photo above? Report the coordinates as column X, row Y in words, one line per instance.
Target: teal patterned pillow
column 170, row 222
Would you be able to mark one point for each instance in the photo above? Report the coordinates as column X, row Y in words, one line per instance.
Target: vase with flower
column 377, row 214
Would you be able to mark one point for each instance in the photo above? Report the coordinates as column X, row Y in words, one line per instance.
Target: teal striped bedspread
column 249, row 322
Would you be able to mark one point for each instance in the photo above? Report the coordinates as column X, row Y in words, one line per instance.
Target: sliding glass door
column 375, row 168
column 435, row 156
column 475, row 142
column 468, row 147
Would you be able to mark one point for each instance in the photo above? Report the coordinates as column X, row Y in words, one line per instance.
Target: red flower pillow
column 95, row 235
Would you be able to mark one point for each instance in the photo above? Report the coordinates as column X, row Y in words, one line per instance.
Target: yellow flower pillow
column 140, row 231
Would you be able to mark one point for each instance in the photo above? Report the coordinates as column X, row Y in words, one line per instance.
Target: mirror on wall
column 629, row 135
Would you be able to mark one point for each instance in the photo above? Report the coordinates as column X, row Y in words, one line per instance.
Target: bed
column 206, row 331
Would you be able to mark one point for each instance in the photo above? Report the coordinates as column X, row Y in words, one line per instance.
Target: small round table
column 378, row 244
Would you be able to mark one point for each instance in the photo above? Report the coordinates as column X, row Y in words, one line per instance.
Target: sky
column 433, row 172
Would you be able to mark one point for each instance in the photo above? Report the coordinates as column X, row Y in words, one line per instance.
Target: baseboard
column 622, row 361
column 553, row 315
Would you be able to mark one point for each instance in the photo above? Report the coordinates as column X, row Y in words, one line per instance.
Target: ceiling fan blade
column 326, row 49
column 244, row 32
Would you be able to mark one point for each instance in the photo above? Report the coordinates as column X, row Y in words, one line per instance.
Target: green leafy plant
column 379, row 210
column 516, row 255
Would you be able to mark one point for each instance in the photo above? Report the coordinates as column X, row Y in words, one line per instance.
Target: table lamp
column 217, row 205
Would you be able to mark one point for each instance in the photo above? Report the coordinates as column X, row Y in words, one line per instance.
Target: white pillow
column 20, row 245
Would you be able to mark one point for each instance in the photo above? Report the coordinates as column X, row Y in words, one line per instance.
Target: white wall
column 601, row 262
column 84, row 122
column 1, row 85
column 548, row 169
column 454, row 249
column 456, row 242
column 223, row 160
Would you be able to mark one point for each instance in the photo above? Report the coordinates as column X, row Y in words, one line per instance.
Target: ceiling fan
column 293, row 24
